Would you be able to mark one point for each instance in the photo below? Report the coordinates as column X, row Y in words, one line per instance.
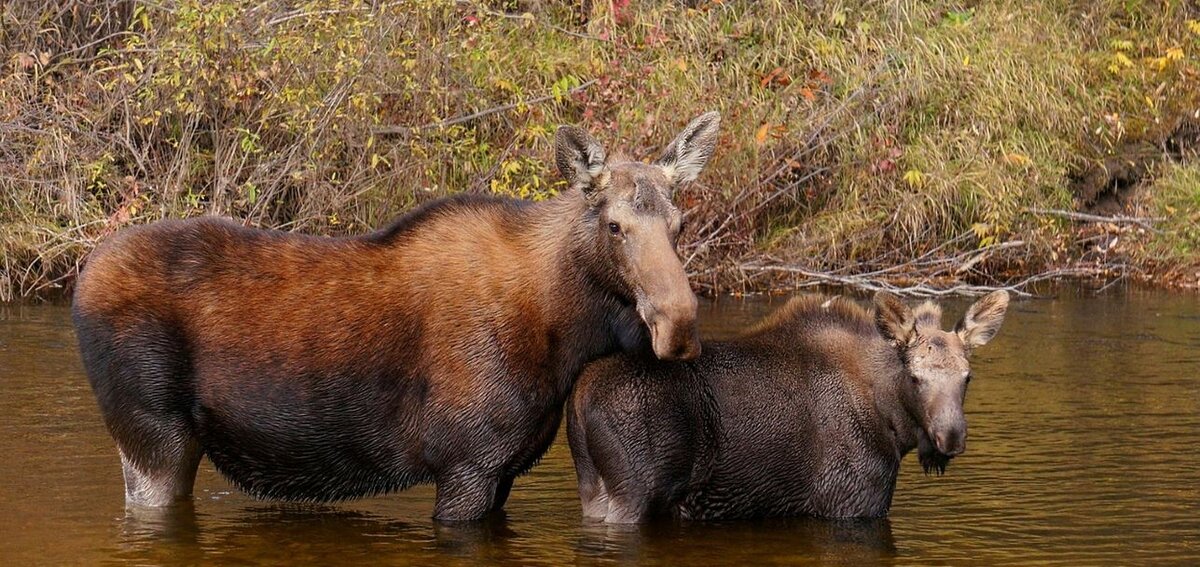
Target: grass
column 1176, row 198
column 856, row 136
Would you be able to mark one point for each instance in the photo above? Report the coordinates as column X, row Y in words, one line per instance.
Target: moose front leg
column 465, row 495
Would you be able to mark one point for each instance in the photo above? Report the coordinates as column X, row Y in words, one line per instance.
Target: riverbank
column 910, row 145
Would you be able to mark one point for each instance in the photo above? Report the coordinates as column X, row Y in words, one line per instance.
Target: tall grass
column 856, row 135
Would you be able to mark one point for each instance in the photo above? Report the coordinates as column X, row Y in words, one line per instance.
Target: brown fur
column 437, row 349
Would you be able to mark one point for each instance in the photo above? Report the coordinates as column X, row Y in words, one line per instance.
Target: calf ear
column 686, row 157
column 580, row 158
column 983, row 319
column 893, row 318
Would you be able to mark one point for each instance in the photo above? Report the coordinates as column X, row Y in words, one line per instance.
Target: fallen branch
column 918, row 290
column 1084, row 217
column 476, row 115
column 528, row 17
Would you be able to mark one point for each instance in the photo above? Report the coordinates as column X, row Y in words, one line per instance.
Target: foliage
column 855, row 135
column 1176, row 198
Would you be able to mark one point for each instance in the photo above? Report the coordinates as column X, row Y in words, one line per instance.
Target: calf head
column 937, row 370
column 635, row 225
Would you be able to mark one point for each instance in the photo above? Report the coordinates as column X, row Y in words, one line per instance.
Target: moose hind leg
column 140, row 378
column 465, row 496
column 170, row 480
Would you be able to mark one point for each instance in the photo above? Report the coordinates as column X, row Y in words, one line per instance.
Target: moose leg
column 465, row 495
column 140, row 376
column 627, row 504
column 168, row 481
column 502, row 490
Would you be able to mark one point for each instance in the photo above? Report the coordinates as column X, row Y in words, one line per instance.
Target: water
column 1084, row 416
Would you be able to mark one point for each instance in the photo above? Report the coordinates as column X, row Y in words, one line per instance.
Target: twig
column 1084, row 217
column 476, row 115
column 528, row 17
column 919, row 290
column 96, row 42
column 302, row 14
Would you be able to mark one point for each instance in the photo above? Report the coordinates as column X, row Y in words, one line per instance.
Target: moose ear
column 983, row 319
column 893, row 318
column 580, row 158
column 686, row 157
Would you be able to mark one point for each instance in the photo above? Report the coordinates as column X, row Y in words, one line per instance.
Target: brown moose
column 439, row 349
column 809, row 414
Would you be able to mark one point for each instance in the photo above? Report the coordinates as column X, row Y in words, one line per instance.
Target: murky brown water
column 1084, row 449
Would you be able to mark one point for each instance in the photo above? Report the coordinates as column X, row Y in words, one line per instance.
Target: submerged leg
column 594, row 499
column 629, row 505
column 139, row 372
column 465, row 495
column 169, row 480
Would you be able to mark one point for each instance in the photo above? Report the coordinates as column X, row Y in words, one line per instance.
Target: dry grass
column 856, row 136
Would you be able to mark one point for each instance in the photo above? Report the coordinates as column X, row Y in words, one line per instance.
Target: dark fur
column 805, row 415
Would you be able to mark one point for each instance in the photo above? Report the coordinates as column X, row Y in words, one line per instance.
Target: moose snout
column 674, row 334
column 951, row 442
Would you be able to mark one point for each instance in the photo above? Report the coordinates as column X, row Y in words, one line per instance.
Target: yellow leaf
column 1014, row 158
column 1123, row 60
column 760, row 137
column 1122, row 45
column 967, row 61
column 1174, row 53
column 914, row 178
column 1194, row 26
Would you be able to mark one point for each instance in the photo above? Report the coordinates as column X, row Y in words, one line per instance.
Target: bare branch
column 1084, row 217
column 476, row 115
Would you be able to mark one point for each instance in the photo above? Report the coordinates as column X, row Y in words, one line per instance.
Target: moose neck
column 890, row 391
column 585, row 317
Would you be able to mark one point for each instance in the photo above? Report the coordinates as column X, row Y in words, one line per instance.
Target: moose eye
column 614, row 228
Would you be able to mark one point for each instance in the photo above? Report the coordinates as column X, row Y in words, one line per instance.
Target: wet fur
column 802, row 416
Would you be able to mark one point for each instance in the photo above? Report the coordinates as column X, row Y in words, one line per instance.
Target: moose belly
column 312, row 438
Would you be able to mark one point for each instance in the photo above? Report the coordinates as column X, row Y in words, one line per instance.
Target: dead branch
column 919, row 290
column 528, row 17
column 1145, row 222
column 402, row 130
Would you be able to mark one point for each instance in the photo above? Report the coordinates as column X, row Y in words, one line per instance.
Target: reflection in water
column 856, row 541
column 1084, row 417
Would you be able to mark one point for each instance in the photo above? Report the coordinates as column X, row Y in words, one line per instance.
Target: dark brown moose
column 808, row 414
column 439, row 349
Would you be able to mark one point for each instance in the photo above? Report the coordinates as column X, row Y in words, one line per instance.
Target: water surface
column 1084, row 426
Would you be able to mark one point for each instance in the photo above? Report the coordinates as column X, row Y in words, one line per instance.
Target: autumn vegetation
column 928, row 145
